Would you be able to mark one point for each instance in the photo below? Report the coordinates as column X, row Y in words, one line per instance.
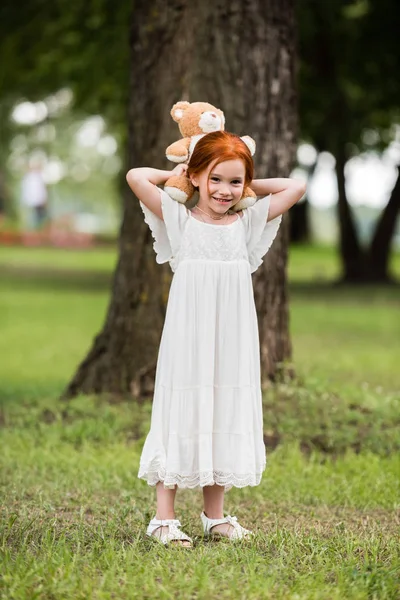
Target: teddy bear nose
column 213, row 115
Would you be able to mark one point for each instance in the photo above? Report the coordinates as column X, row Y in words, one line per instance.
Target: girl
column 206, row 425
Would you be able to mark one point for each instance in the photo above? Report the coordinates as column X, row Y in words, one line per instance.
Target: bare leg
column 165, row 501
column 213, row 496
column 166, row 509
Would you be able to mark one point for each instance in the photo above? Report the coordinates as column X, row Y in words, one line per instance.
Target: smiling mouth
column 221, row 200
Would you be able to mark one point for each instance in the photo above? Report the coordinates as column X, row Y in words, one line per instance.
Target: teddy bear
column 196, row 119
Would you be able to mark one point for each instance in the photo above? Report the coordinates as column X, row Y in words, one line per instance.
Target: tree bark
column 379, row 250
column 371, row 265
column 300, row 231
column 252, row 46
column 352, row 256
column 4, row 195
column 240, row 57
column 299, row 223
column 276, row 146
column 122, row 357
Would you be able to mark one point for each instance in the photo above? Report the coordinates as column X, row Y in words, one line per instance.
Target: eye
column 214, row 178
column 236, row 182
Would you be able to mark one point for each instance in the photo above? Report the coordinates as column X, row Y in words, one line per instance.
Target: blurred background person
column 34, row 198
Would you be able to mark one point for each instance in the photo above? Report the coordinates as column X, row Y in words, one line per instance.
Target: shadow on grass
column 49, row 279
column 334, row 292
column 69, row 279
column 316, row 420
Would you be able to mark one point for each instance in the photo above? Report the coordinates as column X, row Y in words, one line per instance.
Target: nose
column 214, row 115
column 224, row 190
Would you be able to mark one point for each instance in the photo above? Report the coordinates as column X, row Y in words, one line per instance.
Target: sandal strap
column 212, row 522
column 174, row 533
column 239, row 531
column 165, row 522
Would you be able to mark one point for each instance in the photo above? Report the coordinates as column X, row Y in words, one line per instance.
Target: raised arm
column 285, row 193
column 143, row 182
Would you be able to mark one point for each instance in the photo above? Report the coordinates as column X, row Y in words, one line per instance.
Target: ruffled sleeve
column 166, row 233
column 259, row 233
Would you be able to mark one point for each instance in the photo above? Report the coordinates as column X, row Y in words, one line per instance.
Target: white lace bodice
column 204, row 241
column 180, row 236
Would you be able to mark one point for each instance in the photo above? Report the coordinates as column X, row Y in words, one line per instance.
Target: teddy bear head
column 197, row 118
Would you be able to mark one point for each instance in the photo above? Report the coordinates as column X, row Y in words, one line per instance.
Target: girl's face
column 220, row 186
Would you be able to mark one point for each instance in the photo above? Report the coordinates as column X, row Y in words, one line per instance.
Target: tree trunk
column 372, row 265
column 275, row 122
column 252, row 47
column 299, row 223
column 353, row 260
column 300, row 231
column 240, row 57
column 379, row 250
column 4, row 196
column 122, row 357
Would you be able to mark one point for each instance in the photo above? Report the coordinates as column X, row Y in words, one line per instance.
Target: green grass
column 74, row 513
column 98, row 259
column 347, row 336
column 321, row 263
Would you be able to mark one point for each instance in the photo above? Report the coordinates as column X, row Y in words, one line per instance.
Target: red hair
column 220, row 146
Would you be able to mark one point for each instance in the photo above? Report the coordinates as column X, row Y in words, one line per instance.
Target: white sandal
column 174, row 533
column 238, row 533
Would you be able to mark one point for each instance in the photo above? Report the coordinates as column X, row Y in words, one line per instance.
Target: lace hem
column 155, row 472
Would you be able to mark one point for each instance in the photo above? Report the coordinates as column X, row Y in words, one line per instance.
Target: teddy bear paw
column 176, row 194
column 245, row 203
column 177, row 159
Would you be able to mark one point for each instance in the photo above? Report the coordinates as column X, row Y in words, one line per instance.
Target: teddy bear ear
column 178, row 109
column 250, row 143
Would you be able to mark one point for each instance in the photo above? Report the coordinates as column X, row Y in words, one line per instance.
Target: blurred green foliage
column 349, row 60
column 348, row 51
column 82, row 45
column 46, row 47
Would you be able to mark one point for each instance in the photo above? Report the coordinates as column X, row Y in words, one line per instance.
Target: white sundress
column 206, row 422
